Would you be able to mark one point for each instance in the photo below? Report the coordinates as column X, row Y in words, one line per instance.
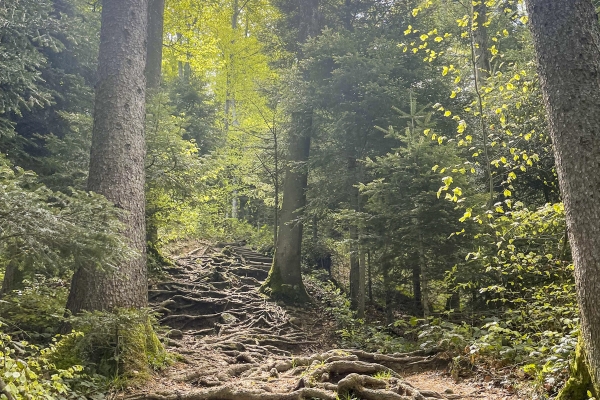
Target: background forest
column 412, row 132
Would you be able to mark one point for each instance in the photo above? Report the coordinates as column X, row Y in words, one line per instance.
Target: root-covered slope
column 239, row 345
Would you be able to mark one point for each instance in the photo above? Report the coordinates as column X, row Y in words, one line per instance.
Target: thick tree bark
column 156, row 10
column 285, row 278
column 117, row 155
column 567, row 42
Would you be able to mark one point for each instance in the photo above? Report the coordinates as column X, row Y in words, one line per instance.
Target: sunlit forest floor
column 233, row 343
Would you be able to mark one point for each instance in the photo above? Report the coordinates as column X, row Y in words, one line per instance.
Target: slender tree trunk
column 117, row 155
column 276, row 206
column 156, row 10
column 424, row 278
column 354, row 268
column 417, row 293
column 361, row 283
column 389, row 291
column 285, row 278
column 480, row 37
column 353, row 230
column 566, row 37
column 370, row 276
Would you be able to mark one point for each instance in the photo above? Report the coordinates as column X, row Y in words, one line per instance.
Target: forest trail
column 237, row 345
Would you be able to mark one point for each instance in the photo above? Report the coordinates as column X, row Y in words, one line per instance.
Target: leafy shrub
column 29, row 374
column 38, row 309
column 354, row 333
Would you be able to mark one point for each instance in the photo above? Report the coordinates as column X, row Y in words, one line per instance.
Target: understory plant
column 121, row 345
column 28, row 372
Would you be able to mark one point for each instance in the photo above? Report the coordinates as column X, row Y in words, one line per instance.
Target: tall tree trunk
column 354, row 268
column 285, row 278
column 117, row 155
column 354, row 249
column 424, row 278
column 156, row 10
column 480, row 37
column 417, row 293
column 388, row 288
column 566, row 37
column 275, row 184
column 370, row 277
column 360, row 312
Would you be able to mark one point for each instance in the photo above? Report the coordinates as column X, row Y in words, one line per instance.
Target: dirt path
column 236, row 344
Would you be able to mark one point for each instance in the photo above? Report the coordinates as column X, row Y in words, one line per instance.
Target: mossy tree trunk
column 580, row 381
column 117, row 155
column 285, row 278
column 566, row 38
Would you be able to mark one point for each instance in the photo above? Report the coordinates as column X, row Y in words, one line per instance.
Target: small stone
column 175, row 334
column 449, row 391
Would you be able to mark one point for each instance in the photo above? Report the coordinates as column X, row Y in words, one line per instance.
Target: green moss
column 580, row 381
column 277, row 290
column 121, row 345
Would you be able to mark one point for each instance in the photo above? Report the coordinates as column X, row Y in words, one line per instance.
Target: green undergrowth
column 121, row 345
column 29, row 373
column 36, row 312
column 534, row 353
column 353, row 332
column 104, row 350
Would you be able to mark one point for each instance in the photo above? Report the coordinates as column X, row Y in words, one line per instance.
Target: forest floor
column 235, row 344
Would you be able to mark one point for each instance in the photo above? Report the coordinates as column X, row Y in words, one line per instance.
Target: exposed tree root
column 214, row 307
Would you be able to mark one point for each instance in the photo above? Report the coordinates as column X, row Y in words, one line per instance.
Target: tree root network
column 212, row 304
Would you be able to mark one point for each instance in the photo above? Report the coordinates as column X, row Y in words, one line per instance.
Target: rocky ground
column 235, row 344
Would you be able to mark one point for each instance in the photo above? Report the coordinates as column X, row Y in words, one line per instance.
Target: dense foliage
column 431, row 167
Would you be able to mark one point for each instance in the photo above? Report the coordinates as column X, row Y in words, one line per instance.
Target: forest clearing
column 299, row 199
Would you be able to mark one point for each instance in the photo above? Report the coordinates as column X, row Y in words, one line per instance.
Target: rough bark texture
column 285, row 278
column 567, row 43
column 117, row 155
column 362, row 278
column 417, row 293
column 156, row 9
column 13, row 278
column 354, row 270
column 353, row 231
column 480, row 37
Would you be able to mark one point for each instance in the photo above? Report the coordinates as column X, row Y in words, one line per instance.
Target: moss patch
column 277, row 290
column 580, row 381
column 120, row 345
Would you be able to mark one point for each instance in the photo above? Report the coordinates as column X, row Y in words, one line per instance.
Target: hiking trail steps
column 236, row 344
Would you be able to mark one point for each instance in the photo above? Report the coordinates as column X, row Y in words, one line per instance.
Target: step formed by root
column 238, row 345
